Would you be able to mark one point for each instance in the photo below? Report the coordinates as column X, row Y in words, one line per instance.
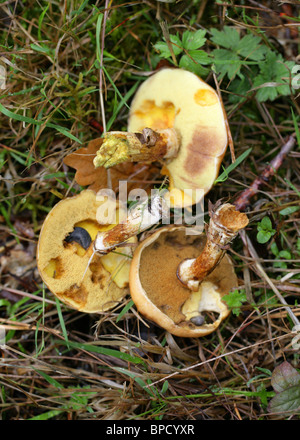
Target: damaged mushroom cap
column 178, row 99
column 159, row 296
column 86, row 282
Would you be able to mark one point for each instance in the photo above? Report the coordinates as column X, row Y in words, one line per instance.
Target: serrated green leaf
column 274, row 73
column 228, row 38
column 227, row 63
column 193, row 40
column 239, row 89
column 250, row 48
column 235, row 300
column 267, row 93
column 163, row 47
column 200, row 56
column 187, row 63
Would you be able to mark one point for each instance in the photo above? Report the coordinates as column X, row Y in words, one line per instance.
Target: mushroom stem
column 224, row 225
column 149, row 145
column 141, row 217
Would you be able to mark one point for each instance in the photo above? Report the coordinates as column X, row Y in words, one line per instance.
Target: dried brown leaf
column 97, row 178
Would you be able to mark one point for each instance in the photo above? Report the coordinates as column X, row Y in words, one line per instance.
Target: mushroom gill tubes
column 224, row 225
column 141, row 217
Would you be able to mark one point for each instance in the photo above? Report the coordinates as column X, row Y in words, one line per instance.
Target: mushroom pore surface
column 157, row 272
column 179, row 99
column 87, row 284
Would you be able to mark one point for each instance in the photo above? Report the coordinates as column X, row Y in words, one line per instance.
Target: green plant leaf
column 193, row 40
column 289, row 210
column 286, row 383
column 228, row 38
column 223, row 176
column 103, row 350
column 285, row 254
column 187, row 63
column 250, row 48
column 47, row 415
column 239, row 89
column 266, row 224
column 18, row 117
column 164, row 50
column 227, row 63
column 273, row 78
column 265, row 230
column 274, row 249
column 263, row 236
column 235, row 300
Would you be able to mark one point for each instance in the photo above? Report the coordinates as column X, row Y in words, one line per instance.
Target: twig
column 244, row 198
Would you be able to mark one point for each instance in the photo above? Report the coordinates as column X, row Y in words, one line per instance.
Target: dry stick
column 244, row 198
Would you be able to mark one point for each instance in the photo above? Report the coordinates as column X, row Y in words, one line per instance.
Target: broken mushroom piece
column 142, row 216
column 224, row 225
column 162, row 298
column 67, row 262
column 177, row 118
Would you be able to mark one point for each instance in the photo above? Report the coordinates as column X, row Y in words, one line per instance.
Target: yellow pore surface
column 175, row 98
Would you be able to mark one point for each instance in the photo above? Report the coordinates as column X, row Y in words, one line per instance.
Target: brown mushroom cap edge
column 88, row 285
column 159, row 296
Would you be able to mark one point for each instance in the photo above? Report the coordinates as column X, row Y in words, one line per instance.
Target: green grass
column 62, row 364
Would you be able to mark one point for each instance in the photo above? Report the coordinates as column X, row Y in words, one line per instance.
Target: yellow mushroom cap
column 158, row 294
column 176, row 98
column 89, row 285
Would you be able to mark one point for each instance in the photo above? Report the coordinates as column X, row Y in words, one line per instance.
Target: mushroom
column 177, row 118
column 68, row 263
column 160, row 283
column 142, row 216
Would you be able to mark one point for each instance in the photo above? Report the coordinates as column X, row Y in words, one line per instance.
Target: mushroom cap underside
column 158, row 294
column 86, row 282
column 176, row 98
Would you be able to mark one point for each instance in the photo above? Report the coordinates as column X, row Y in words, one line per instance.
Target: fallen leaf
column 286, row 383
column 137, row 175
